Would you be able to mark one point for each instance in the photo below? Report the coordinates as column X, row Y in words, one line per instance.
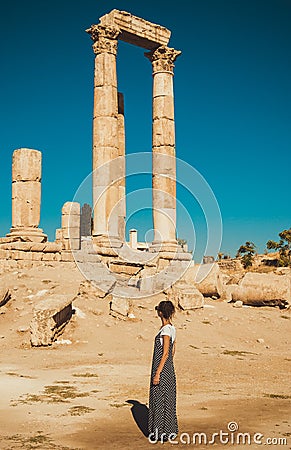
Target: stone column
column 121, row 154
column 105, row 136
column 164, row 160
column 26, row 195
column 133, row 238
column 71, row 219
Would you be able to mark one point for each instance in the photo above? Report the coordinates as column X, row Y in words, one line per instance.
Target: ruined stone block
column 185, row 296
column 105, row 70
column 59, row 235
column 26, row 203
column 37, row 246
column 72, row 220
column 37, row 256
column 105, row 100
column 119, row 306
column 163, row 132
column 71, row 208
column 49, row 319
column 136, row 30
column 67, row 256
column 4, row 254
column 163, row 106
column 163, row 85
column 48, row 257
column 105, row 131
column 26, row 165
column 52, row 247
column 72, row 232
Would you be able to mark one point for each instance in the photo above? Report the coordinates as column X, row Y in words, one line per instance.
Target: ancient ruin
column 78, row 297
column 26, row 195
column 108, row 132
column 115, row 270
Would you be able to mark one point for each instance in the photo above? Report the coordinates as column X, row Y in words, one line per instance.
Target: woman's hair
column 167, row 308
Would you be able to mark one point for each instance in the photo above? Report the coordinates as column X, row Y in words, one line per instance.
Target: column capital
column 104, row 38
column 163, row 58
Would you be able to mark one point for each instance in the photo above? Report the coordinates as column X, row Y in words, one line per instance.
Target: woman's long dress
column 162, row 398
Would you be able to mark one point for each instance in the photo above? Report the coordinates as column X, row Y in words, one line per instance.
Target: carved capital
column 163, row 58
column 104, row 38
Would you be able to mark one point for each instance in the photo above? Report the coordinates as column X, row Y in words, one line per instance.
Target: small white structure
column 133, row 238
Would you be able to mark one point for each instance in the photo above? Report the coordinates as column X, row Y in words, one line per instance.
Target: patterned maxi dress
column 162, row 398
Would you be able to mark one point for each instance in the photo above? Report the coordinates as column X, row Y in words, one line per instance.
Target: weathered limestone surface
column 230, row 264
column 19, row 254
column 164, row 162
column 128, row 269
column 207, row 278
column 185, row 296
column 263, row 289
column 96, row 272
column 59, row 236
column 46, row 247
column 65, row 258
column 49, row 319
column 119, row 306
column 136, row 30
column 121, row 174
column 71, row 226
column 89, row 289
column 106, row 192
column 109, row 204
column 26, row 195
column 169, row 275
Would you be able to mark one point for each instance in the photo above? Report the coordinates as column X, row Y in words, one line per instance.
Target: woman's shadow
column 140, row 413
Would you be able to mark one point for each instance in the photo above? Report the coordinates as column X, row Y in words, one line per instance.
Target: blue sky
column 232, row 105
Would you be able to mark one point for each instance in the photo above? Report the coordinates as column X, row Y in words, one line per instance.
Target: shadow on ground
column 140, row 413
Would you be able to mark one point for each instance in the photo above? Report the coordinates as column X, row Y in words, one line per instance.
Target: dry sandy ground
column 75, row 396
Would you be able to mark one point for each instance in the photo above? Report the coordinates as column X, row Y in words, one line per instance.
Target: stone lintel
column 136, row 30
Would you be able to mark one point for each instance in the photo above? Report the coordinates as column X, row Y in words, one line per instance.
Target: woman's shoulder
column 169, row 327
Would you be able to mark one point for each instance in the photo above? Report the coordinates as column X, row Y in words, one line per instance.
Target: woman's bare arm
column 174, row 348
column 166, row 347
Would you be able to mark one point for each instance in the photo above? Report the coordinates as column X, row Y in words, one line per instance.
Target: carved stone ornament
column 105, row 38
column 163, row 58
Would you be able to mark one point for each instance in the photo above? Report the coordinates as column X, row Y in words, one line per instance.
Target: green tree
column 283, row 247
column 246, row 252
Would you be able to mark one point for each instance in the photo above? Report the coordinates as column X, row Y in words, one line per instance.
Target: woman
column 162, row 400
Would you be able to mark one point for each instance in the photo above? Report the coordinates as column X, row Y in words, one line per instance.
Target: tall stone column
column 121, row 154
column 105, row 136
column 164, row 160
column 26, row 195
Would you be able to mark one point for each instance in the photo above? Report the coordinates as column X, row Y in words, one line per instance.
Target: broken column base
column 50, row 316
column 170, row 251
column 185, row 296
column 106, row 245
column 29, row 234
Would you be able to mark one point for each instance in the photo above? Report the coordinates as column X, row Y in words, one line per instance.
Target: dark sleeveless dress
column 162, row 398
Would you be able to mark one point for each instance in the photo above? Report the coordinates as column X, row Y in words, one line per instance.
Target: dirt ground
column 89, row 390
